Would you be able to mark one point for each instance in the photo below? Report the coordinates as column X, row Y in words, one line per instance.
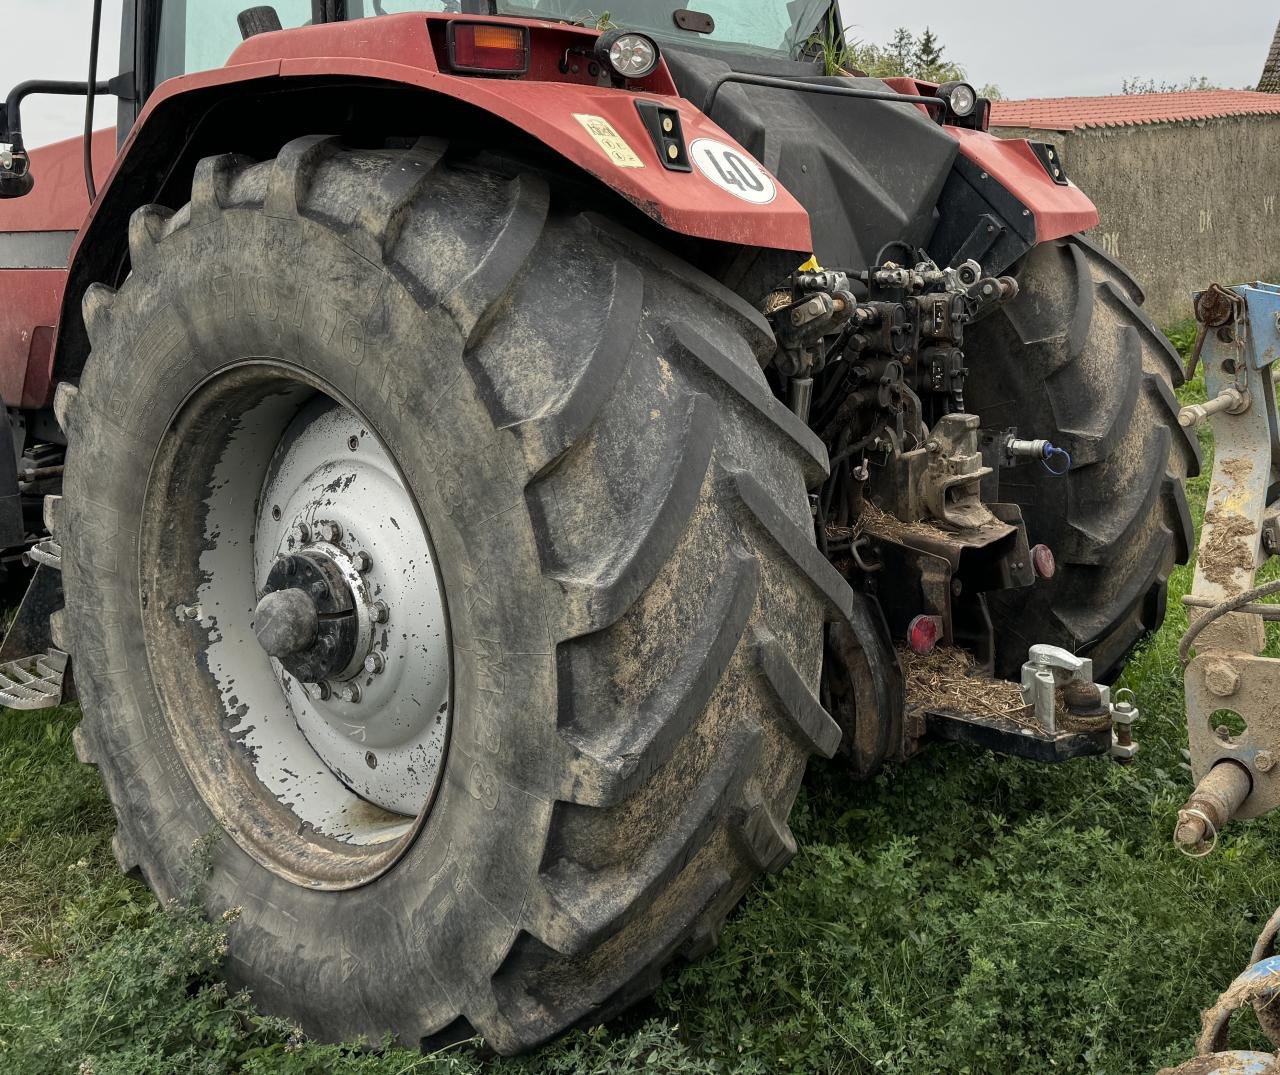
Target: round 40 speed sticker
column 733, row 170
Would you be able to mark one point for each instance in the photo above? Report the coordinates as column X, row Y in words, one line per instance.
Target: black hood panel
column 869, row 172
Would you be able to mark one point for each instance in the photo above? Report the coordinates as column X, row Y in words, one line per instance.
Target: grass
column 964, row 914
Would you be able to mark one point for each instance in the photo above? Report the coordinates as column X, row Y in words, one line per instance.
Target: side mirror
column 16, row 179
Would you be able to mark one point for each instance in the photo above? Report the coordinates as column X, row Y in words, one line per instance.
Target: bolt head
column 363, row 562
column 320, row 691
column 1221, row 679
column 328, row 531
column 374, row 663
column 1265, row 761
column 381, row 613
column 349, row 692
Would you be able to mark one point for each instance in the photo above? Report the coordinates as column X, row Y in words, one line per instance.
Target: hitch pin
column 1230, row 399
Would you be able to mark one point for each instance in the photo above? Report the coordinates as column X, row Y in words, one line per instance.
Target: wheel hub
column 350, row 610
column 307, row 617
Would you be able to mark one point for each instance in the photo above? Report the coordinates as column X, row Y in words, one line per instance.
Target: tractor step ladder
column 34, row 672
column 47, row 552
column 33, row 682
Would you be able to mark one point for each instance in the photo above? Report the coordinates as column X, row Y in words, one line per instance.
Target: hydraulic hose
column 1235, row 604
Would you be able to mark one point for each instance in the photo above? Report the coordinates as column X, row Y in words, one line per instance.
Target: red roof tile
column 1075, row 113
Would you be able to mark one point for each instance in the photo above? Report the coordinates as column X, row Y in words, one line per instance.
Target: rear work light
column 485, row 48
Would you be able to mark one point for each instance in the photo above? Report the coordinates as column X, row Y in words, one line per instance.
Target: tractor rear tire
column 1075, row 360
column 625, row 546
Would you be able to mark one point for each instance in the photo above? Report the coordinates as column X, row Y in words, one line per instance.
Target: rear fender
column 1045, row 209
column 322, row 79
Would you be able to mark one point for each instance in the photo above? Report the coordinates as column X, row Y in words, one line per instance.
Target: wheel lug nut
column 381, row 613
column 321, row 690
column 349, row 692
column 374, row 663
column 328, row 531
column 304, row 532
column 363, row 562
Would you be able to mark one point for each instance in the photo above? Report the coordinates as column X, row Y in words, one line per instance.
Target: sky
column 1032, row 50
column 1086, row 47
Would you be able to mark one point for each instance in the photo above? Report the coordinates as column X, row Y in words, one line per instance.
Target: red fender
column 1058, row 210
column 406, row 49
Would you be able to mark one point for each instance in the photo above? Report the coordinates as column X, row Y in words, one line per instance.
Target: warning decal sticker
column 607, row 138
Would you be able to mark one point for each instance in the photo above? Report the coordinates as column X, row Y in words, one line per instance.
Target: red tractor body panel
column 559, row 102
column 1058, row 210
column 36, row 237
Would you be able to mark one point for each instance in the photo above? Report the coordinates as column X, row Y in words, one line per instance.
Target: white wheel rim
column 356, row 771
column 388, row 746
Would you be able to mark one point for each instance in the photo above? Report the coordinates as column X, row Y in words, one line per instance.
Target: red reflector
column 1043, row 561
column 923, row 634
column 487, row 49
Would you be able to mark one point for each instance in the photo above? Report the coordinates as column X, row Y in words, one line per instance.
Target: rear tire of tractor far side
column 1075, row 360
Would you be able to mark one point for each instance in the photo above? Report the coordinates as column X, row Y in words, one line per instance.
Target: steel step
column 33, row 682
column 47, row 552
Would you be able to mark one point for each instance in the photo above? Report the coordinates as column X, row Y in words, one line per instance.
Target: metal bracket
column 1240, row 341
column 1048, row 669
column 1006, row 736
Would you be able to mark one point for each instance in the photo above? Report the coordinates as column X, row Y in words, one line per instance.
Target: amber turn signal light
column 485, row 48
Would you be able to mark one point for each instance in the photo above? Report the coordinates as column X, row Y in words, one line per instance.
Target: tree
column 928, row 52
column 901, row 52
column 904, row 56
column 1137, row 86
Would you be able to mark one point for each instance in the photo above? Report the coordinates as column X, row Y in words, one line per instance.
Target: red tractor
column 473, row 454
